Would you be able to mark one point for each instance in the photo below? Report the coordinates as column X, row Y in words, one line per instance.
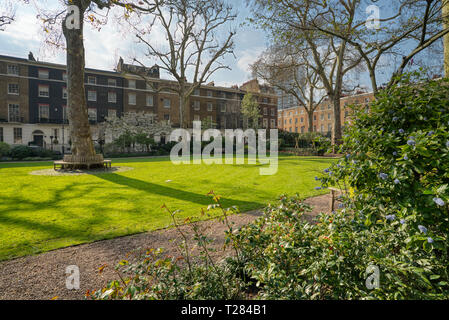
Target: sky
column 104, row 47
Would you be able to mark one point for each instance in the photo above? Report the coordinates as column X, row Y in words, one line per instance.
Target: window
column 43, row 73
column 329, row 106
column 92, row 112
column 322, row 116
column 329, row 116
column 166, row 117
column 302, row 129
column 322, row 128
column 314, row 117
column 209, row 118
column 223, row 107
column 329, row 127
column 17, row 135
column 132, row 99
column 91, row 80
column 209, row 106
column 290, row 121
column 64, row 76
column 265, row 122
column 13, row 69
column 302, row 111
column 64, row 113
column 322, row 107
column 209, row 93
column 273, row 123
column 55, row 133
column 43, row 91
column 302, row 120
column 167, row 104
column 296, row 129
column 196, row 117
column 112, row 97
column 273, row 112
column 92, row 95
column 132, row 84
column 149, row 100
column 196, row 92
column 196, row 105
column 296, row 120
column 44, row 112
column 1, row 134
column 265, row 111
column 64, row 93
column 112, row 113
column 112, row 82
column 13, row 88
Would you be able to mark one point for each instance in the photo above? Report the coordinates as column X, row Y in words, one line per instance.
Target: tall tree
column 251, row 110
column 72, row 17
column 445, row 13
column 289, row 21
column 196, row 41
column 290, row 72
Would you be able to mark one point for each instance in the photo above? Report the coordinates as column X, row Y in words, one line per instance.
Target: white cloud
column 248, row 57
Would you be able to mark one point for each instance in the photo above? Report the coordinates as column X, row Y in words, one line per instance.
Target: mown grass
column 41, row 213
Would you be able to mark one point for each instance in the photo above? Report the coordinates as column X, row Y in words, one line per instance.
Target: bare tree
column 289, row 22
column 410, row 27
column 7, row 14
column 192, row 47
column 290, row 72
column 71, row 16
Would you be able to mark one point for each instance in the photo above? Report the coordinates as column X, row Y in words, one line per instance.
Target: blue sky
column 104, row 47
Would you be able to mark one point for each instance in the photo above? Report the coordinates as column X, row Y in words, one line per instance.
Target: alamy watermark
column 72, row 21
column 72, row 282
column 373, row 277
column 213, row 152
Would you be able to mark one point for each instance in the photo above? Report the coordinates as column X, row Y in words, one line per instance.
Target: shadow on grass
column 165, row 191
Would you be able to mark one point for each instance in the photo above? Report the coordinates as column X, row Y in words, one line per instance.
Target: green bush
column 4, row 149
column 397, row 162
column 289, row 258
column 21, row 152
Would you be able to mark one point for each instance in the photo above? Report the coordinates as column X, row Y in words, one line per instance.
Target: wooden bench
column 72, row 162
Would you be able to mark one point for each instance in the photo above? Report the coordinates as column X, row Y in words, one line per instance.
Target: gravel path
column 43, row 276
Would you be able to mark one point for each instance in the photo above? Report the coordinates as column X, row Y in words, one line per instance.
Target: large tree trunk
column 310, row 116
column 80, row 133
column 446, row 37
column 336, row 130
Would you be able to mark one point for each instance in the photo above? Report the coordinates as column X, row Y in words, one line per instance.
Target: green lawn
column 41, row 213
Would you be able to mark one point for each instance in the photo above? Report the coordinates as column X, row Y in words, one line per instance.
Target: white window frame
column 19, row 139
column 40, row 92
column 64, row 93
column 89, row 78
column 210, row 106
column 149, row 100
column 132, row 99
column 196, row 105
column 112, row 97
column 13, row 92
column 132, row 83
column 223, row 107
column 112, row 82
column 13, row 69
column 90, row 97
column 17, row 112
column 90, row 112
column 43, row 109
column 165, row 104
column 43, row 74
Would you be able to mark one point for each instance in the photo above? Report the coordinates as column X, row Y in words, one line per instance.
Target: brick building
column 295, row 119
column 33, row 100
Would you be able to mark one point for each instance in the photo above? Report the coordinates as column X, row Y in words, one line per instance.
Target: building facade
column 33, row 101
column 295, row 119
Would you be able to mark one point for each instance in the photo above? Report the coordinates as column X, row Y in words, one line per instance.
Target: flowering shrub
column 397, row 162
